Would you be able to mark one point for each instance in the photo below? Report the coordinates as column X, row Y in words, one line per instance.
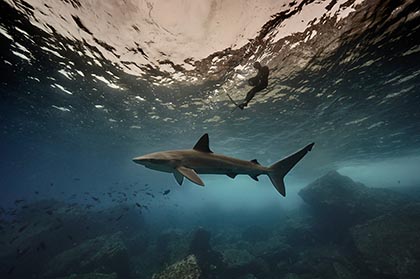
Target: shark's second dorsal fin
column 255, row 161
column 203, row 144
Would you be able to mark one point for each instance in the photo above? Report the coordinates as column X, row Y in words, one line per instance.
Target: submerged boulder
column 170, row 246
column 255, row 233
column 342, row 202
column 210, row 261
column 390, row 244
column 187, row 268
column 102, row 254
column 237, row 256
column 200, row 242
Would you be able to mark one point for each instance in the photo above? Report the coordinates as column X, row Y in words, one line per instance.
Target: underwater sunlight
column 210, row 139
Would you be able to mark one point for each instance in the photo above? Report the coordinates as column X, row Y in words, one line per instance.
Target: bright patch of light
column 61, row 108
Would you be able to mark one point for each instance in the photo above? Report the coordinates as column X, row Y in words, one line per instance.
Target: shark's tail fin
column 281, row 168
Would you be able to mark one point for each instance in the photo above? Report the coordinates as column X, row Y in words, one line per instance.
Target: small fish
column 56, row 227
column 166, row 192
column 21, row 252
column 150, row 194
column 36, row 192
column 138, row 205
column 41, row 246
column 23, row 228
column 13, row 239
column 119, row 218
column 19, row 201
column 10, row 271
column 76, row 179
column 95, row 199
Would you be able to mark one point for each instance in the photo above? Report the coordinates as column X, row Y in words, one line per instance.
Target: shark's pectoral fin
column 255, row 177
column 191, row 175
column 179, row 177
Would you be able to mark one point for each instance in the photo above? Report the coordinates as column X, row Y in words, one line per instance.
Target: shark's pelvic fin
column 179, row 177
column 191, row 175
column 231, row 175
column 203, row 144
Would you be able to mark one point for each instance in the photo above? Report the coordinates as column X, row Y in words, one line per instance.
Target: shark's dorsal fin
column 255, row 161
column 203, row 144
column 190, row 174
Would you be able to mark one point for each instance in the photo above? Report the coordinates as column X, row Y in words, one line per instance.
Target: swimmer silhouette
column 260, row 82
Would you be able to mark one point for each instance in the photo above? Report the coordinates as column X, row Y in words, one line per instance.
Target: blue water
column 68, row 185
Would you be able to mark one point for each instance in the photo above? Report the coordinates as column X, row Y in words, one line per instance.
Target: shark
column 200, row 159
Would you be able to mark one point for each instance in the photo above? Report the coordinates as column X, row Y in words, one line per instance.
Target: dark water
column 78, row 103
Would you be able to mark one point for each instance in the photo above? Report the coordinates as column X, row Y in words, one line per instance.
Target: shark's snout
column 139, row 160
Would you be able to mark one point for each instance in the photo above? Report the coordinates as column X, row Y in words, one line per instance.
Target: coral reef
column 343, row 230
column 91, row 276
column 390, row 244
column 106, row 253
column 187, row 268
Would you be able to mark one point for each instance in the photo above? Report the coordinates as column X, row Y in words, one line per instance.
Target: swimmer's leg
column 249, row 97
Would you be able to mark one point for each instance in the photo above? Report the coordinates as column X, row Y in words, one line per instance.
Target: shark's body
column 201, row 160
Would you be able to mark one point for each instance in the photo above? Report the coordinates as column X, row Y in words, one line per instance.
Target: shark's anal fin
column 190, row 174
column 203, row 144
column 255, row 177
column 179, row 177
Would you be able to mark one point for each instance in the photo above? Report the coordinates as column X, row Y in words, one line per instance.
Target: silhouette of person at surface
column 260, row 82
